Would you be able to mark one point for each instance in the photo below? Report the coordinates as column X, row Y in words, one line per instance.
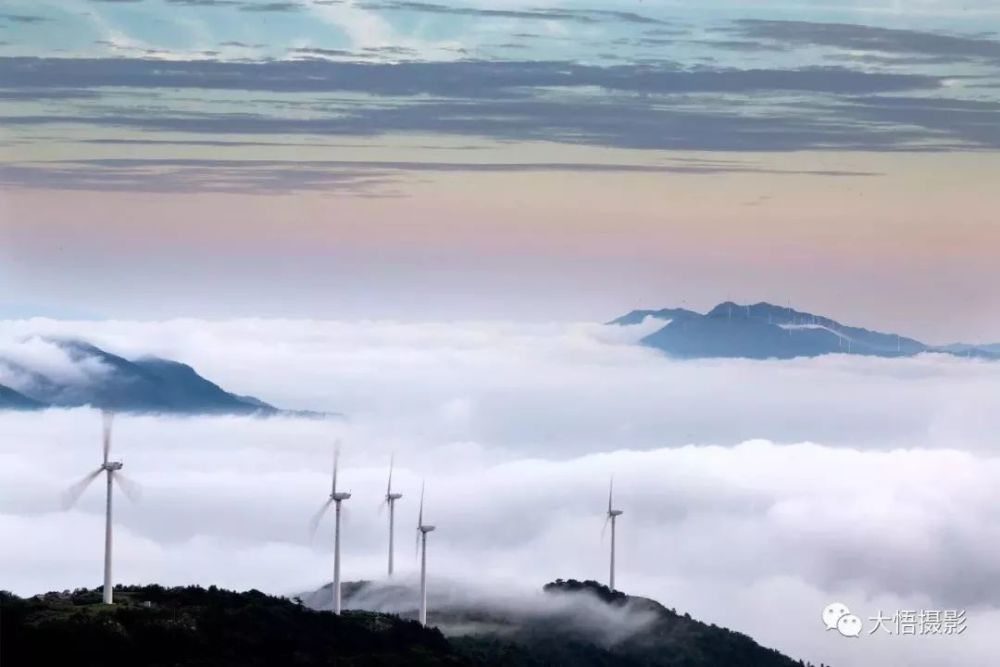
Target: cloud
column 272, row 7
column 23, row 18
column 516, row 429
column 584, row 613
column 368, row 178
column 462, row 79
column 48, row 94
column 206, row 3
column 690, row 123
column 37, row 365
column 314, row 51
column 589, row 16
column 645, row 106
column 211, row 176
column 869, row 38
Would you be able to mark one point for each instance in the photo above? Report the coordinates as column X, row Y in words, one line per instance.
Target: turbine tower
column 422, row 530
column 613, row 514
column 112, row 470
column 336, row 498
column 390, row 500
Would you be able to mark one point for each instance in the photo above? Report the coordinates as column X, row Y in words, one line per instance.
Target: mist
column 755, row 493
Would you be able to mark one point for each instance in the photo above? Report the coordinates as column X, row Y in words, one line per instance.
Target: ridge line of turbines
column 112, row 470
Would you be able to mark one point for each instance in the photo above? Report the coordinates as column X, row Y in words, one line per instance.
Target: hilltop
column 765, row 331
column 152, row 626
column 570, row 622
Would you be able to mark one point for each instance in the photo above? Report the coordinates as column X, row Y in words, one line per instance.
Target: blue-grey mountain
column 14, row 400
column 97, row 378
column 765, row 331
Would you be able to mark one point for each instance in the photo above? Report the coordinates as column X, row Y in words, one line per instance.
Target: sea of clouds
column 755, row 493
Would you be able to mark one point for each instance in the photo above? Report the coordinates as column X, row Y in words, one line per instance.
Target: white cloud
column 516, row 430
column 26, row 362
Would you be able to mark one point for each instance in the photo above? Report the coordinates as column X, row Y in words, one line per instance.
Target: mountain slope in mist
column 570, row 623
column 73, row 373
column 650, row 636
column 765, row 331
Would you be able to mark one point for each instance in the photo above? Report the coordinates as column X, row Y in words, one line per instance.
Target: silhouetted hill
column 92, row 376
column 765, row 331
column 151, row 626
column 574, row 623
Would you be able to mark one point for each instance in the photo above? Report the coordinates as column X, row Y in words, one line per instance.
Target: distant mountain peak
column 639, row 316
column 766, row 331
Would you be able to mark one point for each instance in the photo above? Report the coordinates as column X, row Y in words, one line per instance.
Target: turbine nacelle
column 112, row 466
column 338, row 496
column 426, row 529
column 615, row 512
column 393, row 496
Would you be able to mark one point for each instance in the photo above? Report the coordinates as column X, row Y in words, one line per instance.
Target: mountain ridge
column 766, row 331
column 87, row 375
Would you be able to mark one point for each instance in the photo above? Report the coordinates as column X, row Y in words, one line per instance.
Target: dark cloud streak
column 869, row 38
column 356, row 177
column 589, row 16
column 458, row 79
column 23, row 18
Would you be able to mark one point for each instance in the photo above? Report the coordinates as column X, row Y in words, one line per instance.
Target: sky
column 755, row 493
column 540, row 161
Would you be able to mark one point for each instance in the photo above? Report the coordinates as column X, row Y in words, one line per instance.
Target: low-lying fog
column 755, row 493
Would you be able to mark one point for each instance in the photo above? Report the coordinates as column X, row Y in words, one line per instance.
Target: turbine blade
column 420, row 515
column 604, row 530
column 73, row 493
column 336, row 461
column 317, row 517
column 107, row 418
column 611, row 491
column 382, row 505
column 132, row 489
column 388, row 488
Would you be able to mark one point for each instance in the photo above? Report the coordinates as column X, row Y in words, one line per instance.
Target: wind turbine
column 613, row 514
column 336, row 498
column 422, row 530
column 112, row 469
column 390, row 500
